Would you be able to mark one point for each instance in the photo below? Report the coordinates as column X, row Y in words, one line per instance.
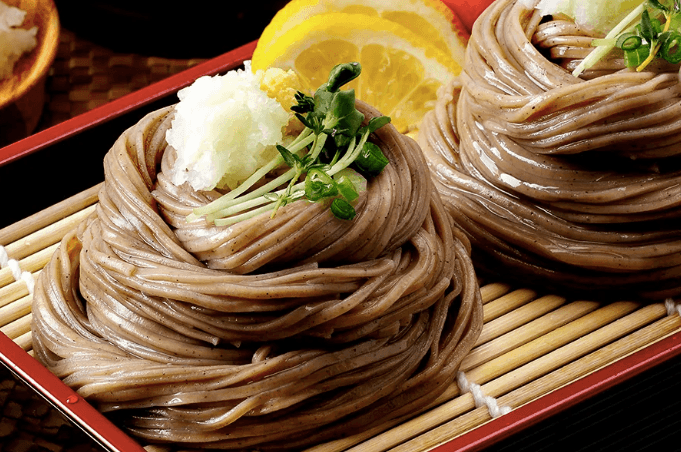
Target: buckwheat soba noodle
column 564, row 181
column 273, row 333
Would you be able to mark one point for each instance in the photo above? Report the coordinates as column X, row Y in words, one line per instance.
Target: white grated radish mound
column 225, row 128
column 14, row 42
column 599, row 15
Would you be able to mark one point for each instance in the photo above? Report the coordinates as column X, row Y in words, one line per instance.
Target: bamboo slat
column 14, row 290
column 16, row 310
column 31, row 243
column 530, row 344
column 17, row 328
column 49, row 216
column 49, row 235
column 529, row 311
column 526, row 332
column 31, row 263
column 463, row 415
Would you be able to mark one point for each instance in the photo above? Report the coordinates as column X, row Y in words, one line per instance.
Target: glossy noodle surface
column 571, row 183
column 273, row 333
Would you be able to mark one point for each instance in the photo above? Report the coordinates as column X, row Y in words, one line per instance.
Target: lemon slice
column 401, row 71
column 430, row 19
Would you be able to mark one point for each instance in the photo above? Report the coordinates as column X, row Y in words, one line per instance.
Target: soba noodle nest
column 571, row 183
column 275, row 333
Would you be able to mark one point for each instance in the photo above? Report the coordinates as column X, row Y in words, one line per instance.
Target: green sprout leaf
column 304, row 104
column 376, row 123
column 342, row 74
column 291, row 159
column 658, row 5
column 648, row 30
column 343, row 118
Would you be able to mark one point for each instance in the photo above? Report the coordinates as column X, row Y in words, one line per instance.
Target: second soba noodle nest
column 270, row 334
column 567, row 182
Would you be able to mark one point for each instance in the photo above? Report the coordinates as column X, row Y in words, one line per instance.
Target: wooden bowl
column 22, row 95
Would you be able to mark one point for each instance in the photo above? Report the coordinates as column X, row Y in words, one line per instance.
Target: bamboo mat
column 531, row 343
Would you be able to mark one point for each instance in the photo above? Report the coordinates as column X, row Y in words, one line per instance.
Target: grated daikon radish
column 600, row 15
column 225, row 128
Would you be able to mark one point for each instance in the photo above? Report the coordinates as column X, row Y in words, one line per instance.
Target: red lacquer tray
column 124, row 111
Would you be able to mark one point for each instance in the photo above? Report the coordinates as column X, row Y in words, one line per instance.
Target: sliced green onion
column 629, row 41
column 637, row 56
column 346, row 188
column 601, row 51
column 342, row 209
column 358, row 181
column 597, row 42
column 671, row 48
column 371, row 159
column 319, row 185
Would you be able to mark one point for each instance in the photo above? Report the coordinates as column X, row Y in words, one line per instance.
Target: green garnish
column 319, row 185
column 342, row 209
column 330, row 113
column 644, row 41
column 629, row 41
column 655, row 39
column 348, row 186
column 371, row 160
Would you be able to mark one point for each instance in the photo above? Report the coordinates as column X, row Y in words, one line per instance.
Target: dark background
column 166, row 28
